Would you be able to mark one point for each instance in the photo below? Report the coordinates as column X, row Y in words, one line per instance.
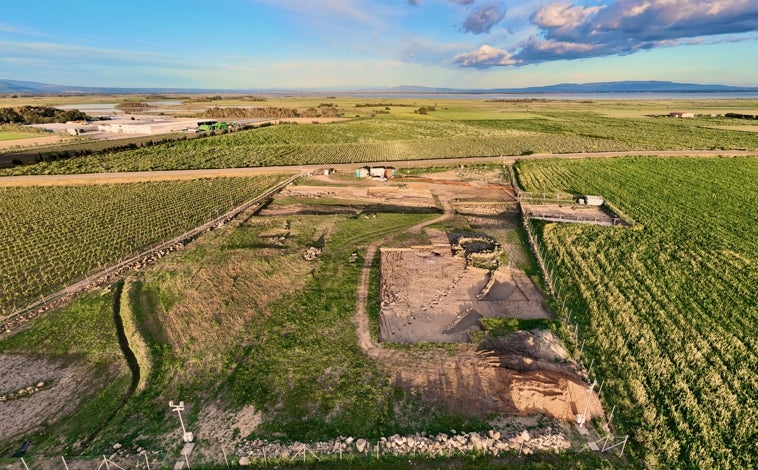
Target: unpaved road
column 123, row 177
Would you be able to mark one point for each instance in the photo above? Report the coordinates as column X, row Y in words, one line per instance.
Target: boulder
column 244, row 461
column 360, row 445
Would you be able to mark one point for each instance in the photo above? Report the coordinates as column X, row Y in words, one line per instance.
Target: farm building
column 588, row 200
column 329, row 171
column 375, row 172
column 682, row 114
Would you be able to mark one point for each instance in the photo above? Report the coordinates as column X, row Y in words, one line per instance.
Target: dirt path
column 99, row 178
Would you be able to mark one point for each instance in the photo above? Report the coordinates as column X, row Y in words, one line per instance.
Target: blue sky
column 339, row 44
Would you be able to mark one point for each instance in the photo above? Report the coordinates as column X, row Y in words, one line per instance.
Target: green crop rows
column 668, row 308
column 367, row 140
column 53, row 236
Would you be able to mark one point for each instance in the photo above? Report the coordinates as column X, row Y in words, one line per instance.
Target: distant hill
column 599, row 87
column 8, row 86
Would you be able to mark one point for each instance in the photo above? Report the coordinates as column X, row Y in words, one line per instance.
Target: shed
column 362, row 172
column 591, row 200
column 377, row 172
column 682, row 114
column 389, row 172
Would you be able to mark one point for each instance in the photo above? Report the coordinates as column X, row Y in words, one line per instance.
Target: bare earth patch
column 53, row 390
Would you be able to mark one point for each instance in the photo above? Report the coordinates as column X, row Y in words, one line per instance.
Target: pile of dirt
column 476, row 384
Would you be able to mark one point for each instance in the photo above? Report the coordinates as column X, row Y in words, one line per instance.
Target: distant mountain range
column 35, row 88
column 598, row 87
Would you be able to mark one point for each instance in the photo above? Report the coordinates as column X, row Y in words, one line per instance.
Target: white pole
column 64, row 462
column 147, row 461
column 611, row 416
column 227, row 460
column 589, row 395
column 24, row 462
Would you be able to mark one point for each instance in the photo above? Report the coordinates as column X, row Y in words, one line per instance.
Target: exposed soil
column 31, row 141
column 65, row 385
column 430, row 295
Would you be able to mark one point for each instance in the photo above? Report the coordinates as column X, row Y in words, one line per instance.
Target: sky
column 354, row 44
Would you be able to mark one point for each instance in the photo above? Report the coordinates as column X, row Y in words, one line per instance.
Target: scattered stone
column 311, row 253
column 117, row 446
column 244, row 461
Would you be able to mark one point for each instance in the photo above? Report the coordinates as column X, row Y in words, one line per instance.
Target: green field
column 61, row 235
column 668, row 308
column 15, row 135
column 470, row 133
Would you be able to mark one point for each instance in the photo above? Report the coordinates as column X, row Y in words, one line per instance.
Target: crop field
column 16, row 135
column 53, row 236
column 395, row 139
column 668, row 308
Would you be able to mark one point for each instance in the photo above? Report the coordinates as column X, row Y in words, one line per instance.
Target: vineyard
column 668, row 309
column 53, row 236
column 367, row 140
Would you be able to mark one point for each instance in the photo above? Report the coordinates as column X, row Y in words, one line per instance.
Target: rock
column 476, row 442
column 40, row 384
column 360, row 445
column 526, row 451
column 244, row 461
column 523, row 437
column 349, row 440
column 494, row 435
column 117, row 446
column 441, row 437
column 284, row 453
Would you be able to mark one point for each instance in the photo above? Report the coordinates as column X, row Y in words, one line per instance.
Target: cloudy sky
column 369, row 43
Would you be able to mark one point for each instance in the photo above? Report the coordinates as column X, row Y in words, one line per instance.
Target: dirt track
column 98, row 178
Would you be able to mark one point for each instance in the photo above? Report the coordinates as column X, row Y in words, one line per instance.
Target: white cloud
column 485, row 56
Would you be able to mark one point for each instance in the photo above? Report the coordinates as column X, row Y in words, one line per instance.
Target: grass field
column 59, row 235
column 668, row 308
column 15, row 135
